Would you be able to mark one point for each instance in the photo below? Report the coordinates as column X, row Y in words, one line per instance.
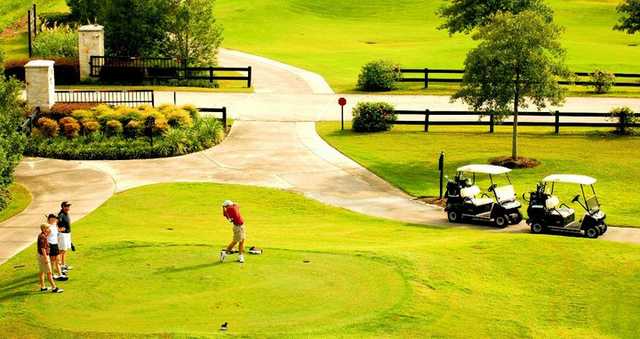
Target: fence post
column 249, row 77
column 35, row 22
column 557, row 122
column 491, row 122
column 153, row 99
column 426, row 121
column 224, row 118
column 426, row 78
column 210, row 74
column 29, row 33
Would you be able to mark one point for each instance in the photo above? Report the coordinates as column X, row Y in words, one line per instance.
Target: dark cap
column 51, row 215
column 65, row 204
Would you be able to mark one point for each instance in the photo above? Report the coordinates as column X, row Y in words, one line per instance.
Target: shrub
column 83, row 114
column 67, row 109
column 193, row 111
column 378, row 76
column 54, row 19
column 90, row 126
column 178, row 118
column 625, row 117
column 133, row 129
column 85, row 10
column 104, row 113
column 59, row 41
column 373, row 117
column 70, row 127
column 113, row 128
column 67, row 71
column 48, row 127
column 602, row 81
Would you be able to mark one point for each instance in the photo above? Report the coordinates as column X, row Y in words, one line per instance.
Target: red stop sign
column 342, row 101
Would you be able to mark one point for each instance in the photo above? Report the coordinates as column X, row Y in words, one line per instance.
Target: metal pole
column 35, row 20
column 342, row 117
column 441, row 169
column 174, row 97
column 29, row 33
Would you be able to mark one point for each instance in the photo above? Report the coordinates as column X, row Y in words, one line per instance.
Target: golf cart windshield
column 592, row 204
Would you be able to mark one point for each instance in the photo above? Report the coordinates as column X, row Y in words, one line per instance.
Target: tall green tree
column 12, row 141
column 462, row 16
column 517, row 63
column 136, row 27
column 193, row 34
column 629, row 20
column 86, row 11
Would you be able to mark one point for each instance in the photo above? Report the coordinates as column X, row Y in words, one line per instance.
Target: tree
column 462, row 16
column 85, row 11
column 629, row 20
column 193, row 34
column 12, row 141
column 517, row 62
column 136, row 27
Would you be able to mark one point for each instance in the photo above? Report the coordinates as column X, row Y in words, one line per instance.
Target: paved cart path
column 273, row 143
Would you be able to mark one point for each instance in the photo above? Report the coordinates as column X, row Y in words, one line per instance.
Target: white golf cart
column 547, row 213
column 465, row 200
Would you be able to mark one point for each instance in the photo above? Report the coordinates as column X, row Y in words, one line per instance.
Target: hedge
column 67, row 71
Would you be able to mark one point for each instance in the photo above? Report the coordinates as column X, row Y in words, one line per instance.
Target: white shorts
column 64, row 241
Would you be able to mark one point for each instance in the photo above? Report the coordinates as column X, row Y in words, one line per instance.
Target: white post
column 41, row 86
column 90, row 43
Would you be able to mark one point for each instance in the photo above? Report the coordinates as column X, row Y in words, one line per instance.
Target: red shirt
column 43, row 244
column 233, row 212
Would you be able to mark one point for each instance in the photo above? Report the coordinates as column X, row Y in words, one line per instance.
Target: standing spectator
column 64, row 237
column 44, row 262
column 231, row 211
column 52, row 238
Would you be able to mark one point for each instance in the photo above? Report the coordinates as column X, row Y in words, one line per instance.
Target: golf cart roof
column 485, row 169
column 570, row 179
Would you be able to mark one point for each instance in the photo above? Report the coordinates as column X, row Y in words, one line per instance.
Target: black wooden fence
column 118, row 69
column 127, row 98
column 455, row 76
column 605, row 119
column 222, row 110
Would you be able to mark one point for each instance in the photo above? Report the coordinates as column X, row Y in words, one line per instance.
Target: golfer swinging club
column 231, row 211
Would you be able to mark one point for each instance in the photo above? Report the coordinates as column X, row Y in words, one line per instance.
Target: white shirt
column 53, row 234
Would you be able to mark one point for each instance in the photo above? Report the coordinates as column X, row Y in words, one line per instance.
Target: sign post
column 342, row 102
column 441, row 169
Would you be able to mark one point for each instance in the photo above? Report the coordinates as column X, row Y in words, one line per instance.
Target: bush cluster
column 378, row 76
column 67, row 71
column 54, row 19
column 626, row 118
column 91, row 131
column 56, row 42
column 602, row 81
column 373, row 117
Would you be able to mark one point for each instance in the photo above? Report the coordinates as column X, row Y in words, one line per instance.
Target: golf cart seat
column 553, row 205
column 506, row 196
column 470, row 195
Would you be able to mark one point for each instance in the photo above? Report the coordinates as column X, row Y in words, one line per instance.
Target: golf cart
column 465, row 200
column 547, row 213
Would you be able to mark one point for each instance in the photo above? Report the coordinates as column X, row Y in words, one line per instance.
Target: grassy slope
column 335, row 38
column 13, row 10
column 407, row 157
column 366, row 277
column 20, row 199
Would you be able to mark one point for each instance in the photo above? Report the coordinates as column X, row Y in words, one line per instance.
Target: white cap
column 227, row 203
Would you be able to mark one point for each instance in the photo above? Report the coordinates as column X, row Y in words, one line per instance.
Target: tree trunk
column 514, row 143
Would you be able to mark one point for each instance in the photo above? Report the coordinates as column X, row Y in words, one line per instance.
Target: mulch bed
column 509, row 162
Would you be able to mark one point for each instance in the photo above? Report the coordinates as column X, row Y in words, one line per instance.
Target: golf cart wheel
column 603, row 229
column 501, row 221
column 592, row 233
column 453, row 216
column 517, row 219
column 537, row 228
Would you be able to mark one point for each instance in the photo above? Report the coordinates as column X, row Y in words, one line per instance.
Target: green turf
column 14, row 10
column 407, row 157
column 147, row 265
column 335, row 38
column 20, row 199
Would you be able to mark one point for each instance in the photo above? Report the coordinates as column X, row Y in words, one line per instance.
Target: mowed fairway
column 335, row 38
column 408, row 158
column 147, row 266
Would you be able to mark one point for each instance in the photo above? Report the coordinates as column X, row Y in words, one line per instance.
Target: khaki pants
column 238, row 233
column 43, row 263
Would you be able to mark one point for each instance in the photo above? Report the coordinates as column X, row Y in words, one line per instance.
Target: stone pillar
column 90, row 43
column 41, row 87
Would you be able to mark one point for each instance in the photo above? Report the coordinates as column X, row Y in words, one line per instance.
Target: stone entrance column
column 41, row 85
column 90, row 43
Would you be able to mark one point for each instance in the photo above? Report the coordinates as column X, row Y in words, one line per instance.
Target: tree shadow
column 171, row 270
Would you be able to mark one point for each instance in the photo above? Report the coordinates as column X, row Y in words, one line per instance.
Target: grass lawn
column 335, row 38
column 407, row 157
column 20, row 199
column 147, row 265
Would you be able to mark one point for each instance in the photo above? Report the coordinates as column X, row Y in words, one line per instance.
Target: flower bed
column 91, row 132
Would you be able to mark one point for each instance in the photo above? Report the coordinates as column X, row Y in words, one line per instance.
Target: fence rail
column 127, row 98
column 222, row 110
column 426, row 77
column 109, row 68
column 493, row 121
